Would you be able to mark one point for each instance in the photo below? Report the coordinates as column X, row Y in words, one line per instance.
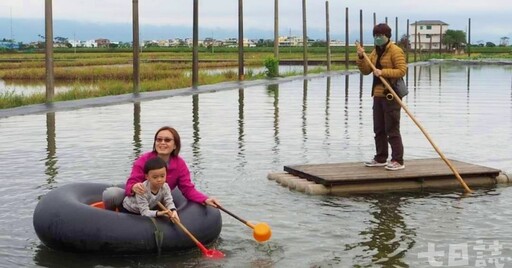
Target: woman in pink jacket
column 166, row 145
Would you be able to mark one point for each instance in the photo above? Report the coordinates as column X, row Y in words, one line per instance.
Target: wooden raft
column 419, row 174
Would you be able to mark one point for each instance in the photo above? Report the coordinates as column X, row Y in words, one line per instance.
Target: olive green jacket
column 392, row 62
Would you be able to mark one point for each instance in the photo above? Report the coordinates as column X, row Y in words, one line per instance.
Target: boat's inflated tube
column 64, row 220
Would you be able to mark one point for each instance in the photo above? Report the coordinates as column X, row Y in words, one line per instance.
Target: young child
column 157, row 190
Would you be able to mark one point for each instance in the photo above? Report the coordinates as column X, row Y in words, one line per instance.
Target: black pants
column 386, row 126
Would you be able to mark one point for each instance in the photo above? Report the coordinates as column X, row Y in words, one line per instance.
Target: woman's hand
column 212, row 202
column 138, row 188
column 360, row 52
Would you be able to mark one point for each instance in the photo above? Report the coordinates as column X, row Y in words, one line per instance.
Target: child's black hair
column 154, row 163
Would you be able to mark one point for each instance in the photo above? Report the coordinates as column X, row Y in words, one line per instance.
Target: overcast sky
column 490, row 19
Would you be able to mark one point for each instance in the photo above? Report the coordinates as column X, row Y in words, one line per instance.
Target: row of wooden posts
column 195, row 39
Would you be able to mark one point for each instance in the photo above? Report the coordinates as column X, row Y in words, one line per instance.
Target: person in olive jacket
column 389, row 61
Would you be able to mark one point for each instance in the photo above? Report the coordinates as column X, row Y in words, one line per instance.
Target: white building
column 290, row 41
column 429, row 35
column 90, row 43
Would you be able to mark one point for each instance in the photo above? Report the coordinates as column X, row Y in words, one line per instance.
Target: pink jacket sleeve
column 137, row 174
column 181, row 178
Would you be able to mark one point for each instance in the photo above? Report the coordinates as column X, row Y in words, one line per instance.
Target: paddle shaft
column 397, row 99
column 198, row 243
column 235, row 216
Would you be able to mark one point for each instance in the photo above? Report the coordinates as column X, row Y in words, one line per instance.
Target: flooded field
column 232, row 139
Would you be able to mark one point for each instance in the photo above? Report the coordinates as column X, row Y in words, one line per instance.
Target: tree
column 504, row 41
column 404, row 42
column 490, row 44
column 454, row 39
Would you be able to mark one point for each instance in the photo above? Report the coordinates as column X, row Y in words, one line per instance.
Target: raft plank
column 417, row 169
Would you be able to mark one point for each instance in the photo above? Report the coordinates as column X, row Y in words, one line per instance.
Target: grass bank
column 101, row 72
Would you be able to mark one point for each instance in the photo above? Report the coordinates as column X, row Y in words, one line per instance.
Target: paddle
column 211, row 253
column 395, row 97
column 261, row 231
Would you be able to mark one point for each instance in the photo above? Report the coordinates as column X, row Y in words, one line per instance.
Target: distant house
column 429, row 35
column 102, row 42
column 90, row 43
column 290, row 41
column 76, row 43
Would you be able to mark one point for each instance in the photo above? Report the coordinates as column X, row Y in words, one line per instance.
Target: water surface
column 233, row 139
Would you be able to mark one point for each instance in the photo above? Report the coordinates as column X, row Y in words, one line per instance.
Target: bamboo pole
column 395, row 97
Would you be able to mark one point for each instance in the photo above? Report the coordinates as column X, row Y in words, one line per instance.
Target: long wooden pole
column 328, row 35
column 50, row 86
column 136, row 46
column 397, row 99
column 241, row 72
column 304, row 38
column 195, row 44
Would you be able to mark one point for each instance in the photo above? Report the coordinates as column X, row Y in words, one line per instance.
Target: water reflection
column 241, row 143
column 51, row 150
column 273, row 90
column 327, row 130
column 196, row 137
column 387, row 238
column 304, row 117
column 384, row 240
column 346, row 107
column 137, row 143
column 30, row 87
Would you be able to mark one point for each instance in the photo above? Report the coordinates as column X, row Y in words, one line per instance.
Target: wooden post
column 440, row 39
column 240, row 40
column 361, row 27
column 304, row 38
column 48, row 15
column 346, row 38
column 195, row 44
column 469, row 37
column 415, row 39
column 276, row 29
column 136, row 47
column 396, row 30
column 328, row 37
column 407, row 46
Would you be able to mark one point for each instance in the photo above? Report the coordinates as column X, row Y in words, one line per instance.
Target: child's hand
column 173, row 216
